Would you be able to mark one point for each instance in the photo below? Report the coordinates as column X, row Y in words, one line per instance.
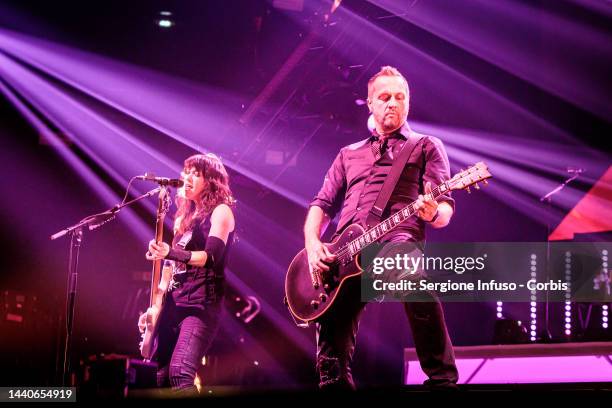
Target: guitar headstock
column 472, row 176
column 164, row 201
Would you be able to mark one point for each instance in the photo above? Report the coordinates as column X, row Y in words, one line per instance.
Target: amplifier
column 115, row 376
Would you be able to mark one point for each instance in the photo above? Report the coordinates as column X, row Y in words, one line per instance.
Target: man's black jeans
column 337, row 331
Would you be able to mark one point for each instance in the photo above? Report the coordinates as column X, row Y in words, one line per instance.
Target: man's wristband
column 179, row 255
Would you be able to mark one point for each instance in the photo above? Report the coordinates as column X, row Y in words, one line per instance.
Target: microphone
column 575, row 170
column 163, row 181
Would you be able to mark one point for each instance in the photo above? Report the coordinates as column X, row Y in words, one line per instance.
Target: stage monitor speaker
column 114, row 376
column 509, row 331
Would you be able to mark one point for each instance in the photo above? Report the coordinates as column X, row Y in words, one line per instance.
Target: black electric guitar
column 309, row 294
column 159, row 282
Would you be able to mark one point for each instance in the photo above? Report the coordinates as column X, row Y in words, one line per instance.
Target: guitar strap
column 179, row 268
column 392, row 178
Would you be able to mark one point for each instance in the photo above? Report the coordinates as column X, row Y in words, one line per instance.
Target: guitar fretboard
column 355, row 246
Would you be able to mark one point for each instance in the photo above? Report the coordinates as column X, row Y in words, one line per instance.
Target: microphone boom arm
column 96, row 220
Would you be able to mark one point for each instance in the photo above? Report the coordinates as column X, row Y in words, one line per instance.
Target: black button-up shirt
column 354, row 180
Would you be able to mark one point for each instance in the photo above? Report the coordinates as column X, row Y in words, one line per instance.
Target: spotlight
column 165, row 23
column 568, row 315
column 164, row 20
column 533, row 315
column 335, row 5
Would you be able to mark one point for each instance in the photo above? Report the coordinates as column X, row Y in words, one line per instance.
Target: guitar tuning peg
column 476, row 186
column 468, row 190
column 486, row 183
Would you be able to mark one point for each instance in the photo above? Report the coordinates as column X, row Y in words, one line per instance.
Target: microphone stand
column 76, row 237
column 548, row 199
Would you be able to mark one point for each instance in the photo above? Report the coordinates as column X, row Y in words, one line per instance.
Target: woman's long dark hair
column 216, row 192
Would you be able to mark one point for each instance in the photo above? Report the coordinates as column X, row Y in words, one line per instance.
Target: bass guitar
column 159, row 282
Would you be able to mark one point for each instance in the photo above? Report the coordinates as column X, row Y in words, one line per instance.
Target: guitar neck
column 156, row 274
column 384, row 227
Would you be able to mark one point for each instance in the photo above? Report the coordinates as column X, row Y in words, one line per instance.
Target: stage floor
column 571, row 363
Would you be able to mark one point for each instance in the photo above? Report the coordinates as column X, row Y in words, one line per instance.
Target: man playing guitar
column 352, row 185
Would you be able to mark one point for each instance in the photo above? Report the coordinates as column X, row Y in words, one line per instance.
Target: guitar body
column 148, row 347
column 307, row 302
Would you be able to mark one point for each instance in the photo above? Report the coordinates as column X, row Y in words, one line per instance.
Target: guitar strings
column 344, row 250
